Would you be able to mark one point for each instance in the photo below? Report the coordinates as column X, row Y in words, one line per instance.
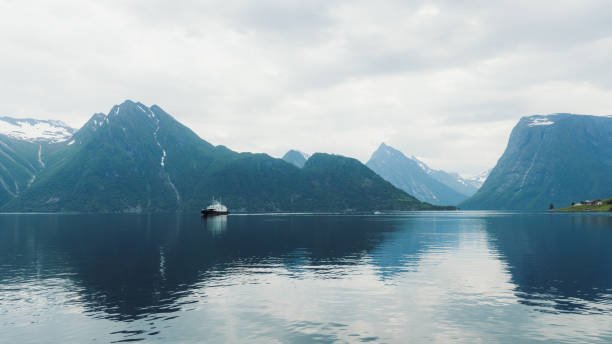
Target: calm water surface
column 407, row 277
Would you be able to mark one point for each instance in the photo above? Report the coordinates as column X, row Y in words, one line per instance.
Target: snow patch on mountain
column 478, row 179
column 40, row 161
column 539, row 121
column 28, row 129
column 163, row 157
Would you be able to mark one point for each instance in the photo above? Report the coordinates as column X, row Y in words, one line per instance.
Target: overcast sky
column 443, row 80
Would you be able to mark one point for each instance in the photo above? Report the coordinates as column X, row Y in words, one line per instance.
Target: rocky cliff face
column 555, row 159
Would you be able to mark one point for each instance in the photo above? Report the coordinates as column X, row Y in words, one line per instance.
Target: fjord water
column 419, row 277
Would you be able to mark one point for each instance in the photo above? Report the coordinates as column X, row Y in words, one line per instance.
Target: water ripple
column 405, row 277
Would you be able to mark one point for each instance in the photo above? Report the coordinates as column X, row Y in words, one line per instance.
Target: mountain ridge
column 464, row 186
column 140, row 159
column 406, row 174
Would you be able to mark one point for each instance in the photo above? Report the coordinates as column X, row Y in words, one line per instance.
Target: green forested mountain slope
column 26, row 145
column 19, row 166
column 140, row 159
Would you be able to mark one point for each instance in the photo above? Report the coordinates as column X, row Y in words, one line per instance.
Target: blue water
column 397, row 278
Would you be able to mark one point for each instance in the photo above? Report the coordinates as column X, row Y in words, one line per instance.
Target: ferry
column 216, row 208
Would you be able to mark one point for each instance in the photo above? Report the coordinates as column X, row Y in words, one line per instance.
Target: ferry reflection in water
column 216, row 224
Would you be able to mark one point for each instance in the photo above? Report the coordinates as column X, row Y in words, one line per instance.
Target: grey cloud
column 444, row 80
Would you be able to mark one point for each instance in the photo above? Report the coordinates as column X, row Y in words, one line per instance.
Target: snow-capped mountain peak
column 29, row 129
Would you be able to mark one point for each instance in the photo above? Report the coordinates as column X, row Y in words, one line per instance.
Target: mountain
column 18, row 166
column 140, row 159
column 24, row 145
column 453, row 180
column 556, row 159
column 406, row 174
column 296, row 158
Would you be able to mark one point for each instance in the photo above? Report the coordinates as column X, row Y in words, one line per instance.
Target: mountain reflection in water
column 306, row 278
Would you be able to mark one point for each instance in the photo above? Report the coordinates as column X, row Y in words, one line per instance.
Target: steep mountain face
column 452, row 180
column 18, row 166
column 140, row 159
column 406, row 174
column 115, row 163
column 296, row 158
column 555, row 159
column 24, row 147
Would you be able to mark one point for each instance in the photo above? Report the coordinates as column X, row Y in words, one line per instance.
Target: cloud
column 443, row 80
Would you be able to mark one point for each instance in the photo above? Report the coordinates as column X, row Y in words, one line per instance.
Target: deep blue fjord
column 392, row 278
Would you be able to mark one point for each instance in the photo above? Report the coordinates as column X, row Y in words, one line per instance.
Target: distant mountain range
column 140, row 159
column 416, row 178
column 554, row 159
column 466, row 186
